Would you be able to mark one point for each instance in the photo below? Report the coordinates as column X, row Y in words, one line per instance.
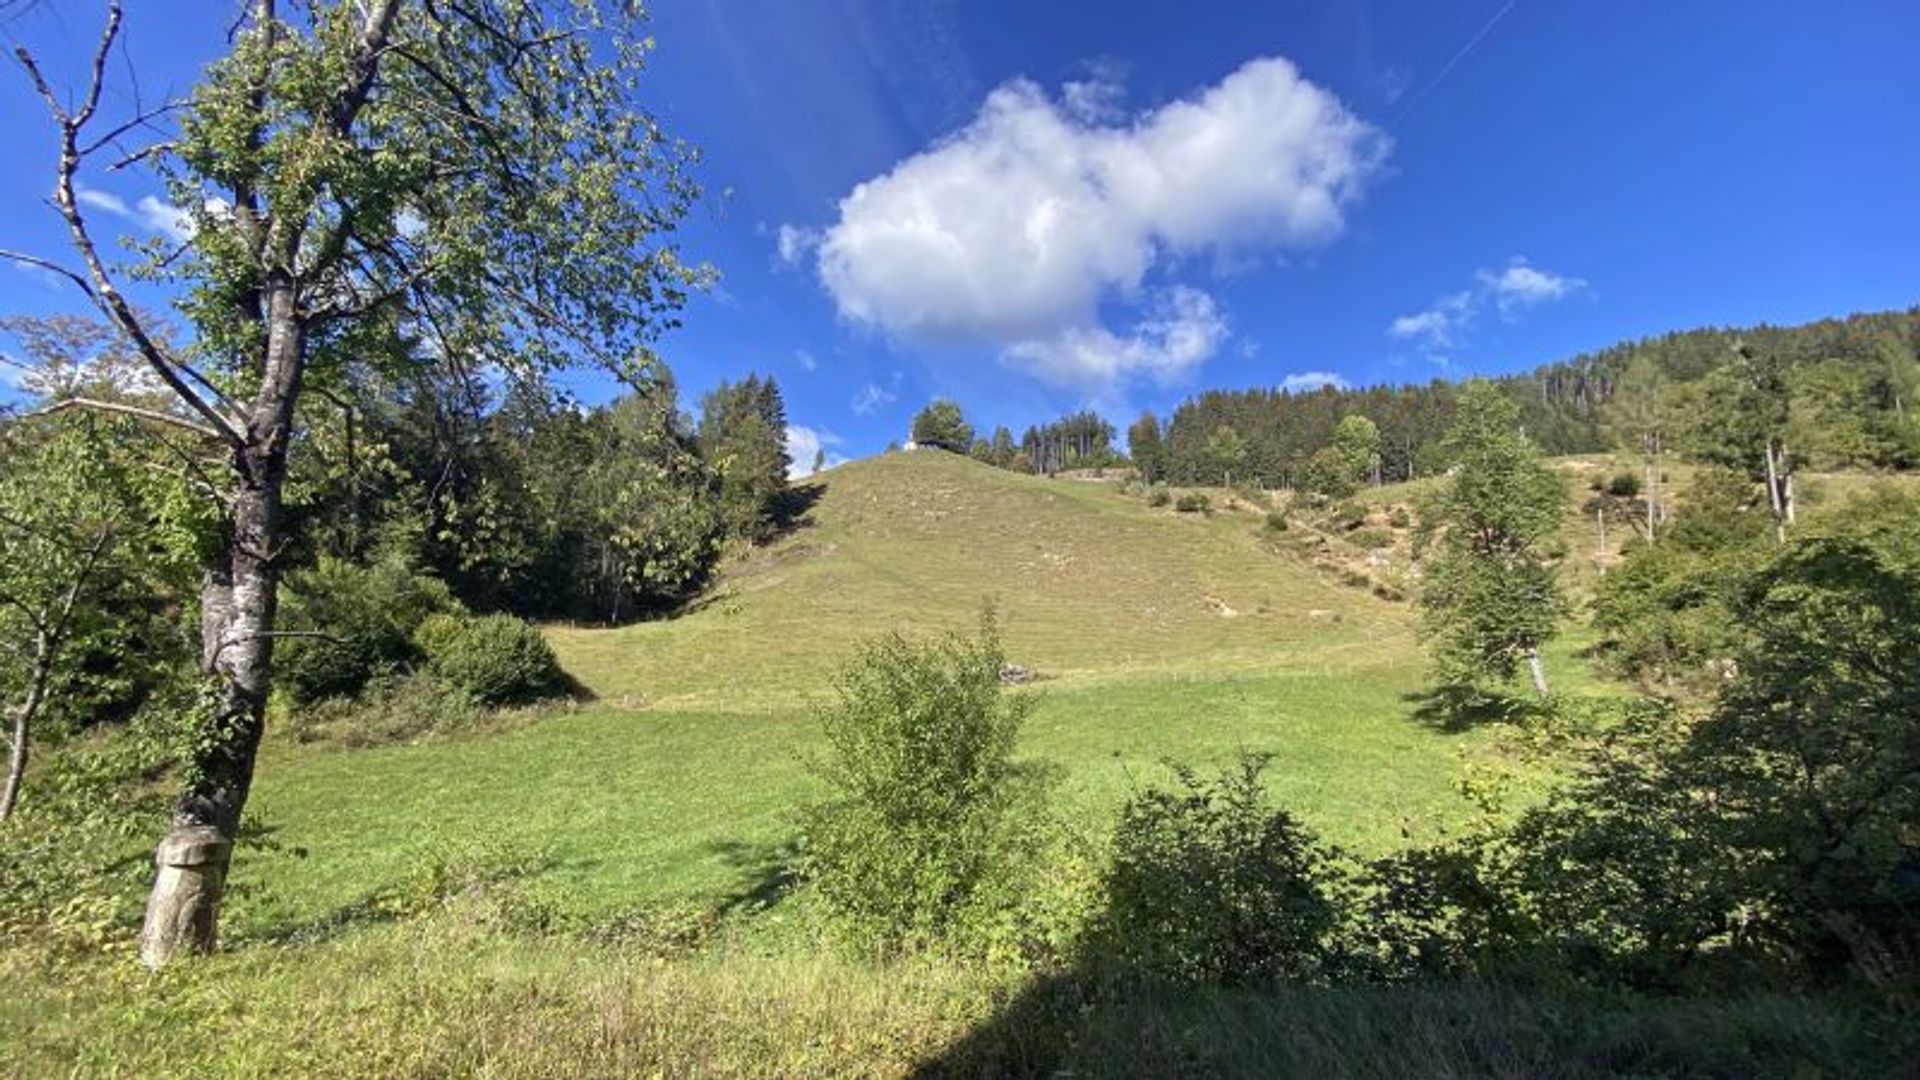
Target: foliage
column 496, row 660
column 356, row 624
column 1193, row 502
column 1081, row 441
column 920, row 742
column 743, row 437
column 1490, row 598
column 1147, row 448
column 1158, row 495
column 1209, row 885
column 389, row 710
column 943, row 425
column 1664, row 614
column 1328, row 473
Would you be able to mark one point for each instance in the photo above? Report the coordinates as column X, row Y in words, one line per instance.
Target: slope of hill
column 1088, row 585
column 1155, row 635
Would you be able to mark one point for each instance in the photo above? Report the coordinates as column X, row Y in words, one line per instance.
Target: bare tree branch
column 125, row 410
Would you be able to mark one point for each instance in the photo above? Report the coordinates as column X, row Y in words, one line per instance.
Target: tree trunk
column 238, row 598
column 23, row 721
column 1652, row 503
column 1538, row 670
column 1600, row 558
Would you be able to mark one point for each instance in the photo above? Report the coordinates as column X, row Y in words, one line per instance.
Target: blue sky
column 1035, row 207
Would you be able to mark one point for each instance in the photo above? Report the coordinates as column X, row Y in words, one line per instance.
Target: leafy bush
column 1399, row 518
column 1210, row 885
column 388, row 710
column 1193, row 502
column 1158, row 495
column 1276, row 521
column 919, row 747
column 362, row 619
column 496, row 660
column 1624, row 485
column 1371, row 538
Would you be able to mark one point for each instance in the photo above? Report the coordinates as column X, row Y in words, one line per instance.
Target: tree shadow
column 767, row 873
column 1454, row 711
column 793, row 510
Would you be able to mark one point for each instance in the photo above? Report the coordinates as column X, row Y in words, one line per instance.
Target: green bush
column 1276, row 521
column 919, row 741
column 1624, row 485
column 496, row 660
column 1158, row 495
column 1210, row 885
column 388, row 710
column 1193, row 502
column 1399, row 518
column 1371, row 538
column 361, row 621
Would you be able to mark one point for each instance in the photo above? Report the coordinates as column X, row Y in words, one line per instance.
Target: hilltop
column 1089, row 585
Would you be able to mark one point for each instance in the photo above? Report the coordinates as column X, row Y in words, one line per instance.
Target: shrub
column 1371, row 538
column 1193, row 502
column 496, row 660
column 1623, row 485
column 387, row 711
column 362, row 619
column 1399, row 518
column 1276, row 521
column 920, row 741
column 1158, row 495
column 1210, row 885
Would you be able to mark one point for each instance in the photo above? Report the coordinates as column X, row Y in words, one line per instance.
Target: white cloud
column 1509, row 289
column 794, row 243
column 806, row 360
column 804, row 444
column 871, row 397
column 149, row 213
column 1181, row 328
column 1438, row 325
column 1304, row 381
column 1014, row 231
column 1520, row 285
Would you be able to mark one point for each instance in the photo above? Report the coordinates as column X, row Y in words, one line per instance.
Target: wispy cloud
column 870, row 397
column 1303, row 381
column 806, row 360
column 149, row 213
column 1508, row 290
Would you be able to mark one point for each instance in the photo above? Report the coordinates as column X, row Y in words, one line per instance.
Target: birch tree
column 464, row 183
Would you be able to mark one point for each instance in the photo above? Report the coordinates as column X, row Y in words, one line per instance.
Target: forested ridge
column 1854, row 379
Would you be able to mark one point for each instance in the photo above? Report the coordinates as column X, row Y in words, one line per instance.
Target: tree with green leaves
column 942, row 424
column 1357, row 440
column 1638, row 415
column 743, row 436
column 1147, row 449
column 1226, row 452
column 366, row 183
column 1491, row 598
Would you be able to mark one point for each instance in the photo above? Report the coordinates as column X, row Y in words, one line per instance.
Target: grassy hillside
column 1153, row 634
column 596, row 890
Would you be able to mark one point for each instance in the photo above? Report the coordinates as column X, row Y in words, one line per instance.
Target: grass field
column 1155, row 635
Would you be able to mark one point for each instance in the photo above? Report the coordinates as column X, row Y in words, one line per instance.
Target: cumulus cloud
column 1508, row 290
column 149, row 213
column 1016, row 230
column 1303, row 381
column 804, row 444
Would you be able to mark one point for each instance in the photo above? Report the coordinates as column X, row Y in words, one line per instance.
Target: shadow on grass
column 767, row 873
column 1454, row 711
column 794, row 509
